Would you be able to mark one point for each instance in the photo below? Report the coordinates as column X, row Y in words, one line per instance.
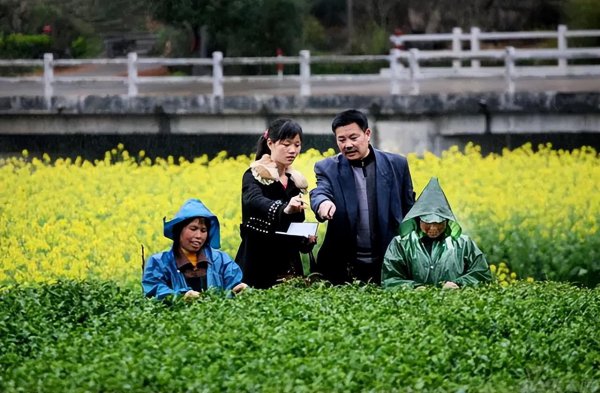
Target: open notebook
column 304, row 229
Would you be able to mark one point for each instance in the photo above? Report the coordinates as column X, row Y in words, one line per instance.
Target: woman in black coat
column 272, row 199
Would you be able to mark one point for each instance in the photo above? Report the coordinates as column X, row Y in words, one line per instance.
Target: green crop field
column 73, row 317
column 94, row 336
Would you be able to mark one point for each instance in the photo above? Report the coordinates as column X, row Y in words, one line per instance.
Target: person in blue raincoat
column 193, row 264
column 431, row 250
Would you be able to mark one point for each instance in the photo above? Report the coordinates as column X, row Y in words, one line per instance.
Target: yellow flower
column 79, row 218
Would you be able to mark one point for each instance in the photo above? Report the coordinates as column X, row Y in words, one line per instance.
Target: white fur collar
column 265, row 171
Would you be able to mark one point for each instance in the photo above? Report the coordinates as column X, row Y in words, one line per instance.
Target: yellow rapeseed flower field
column 537, row 212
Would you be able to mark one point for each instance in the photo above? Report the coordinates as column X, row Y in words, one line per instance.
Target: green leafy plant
column 85, row 47
column 93, row 336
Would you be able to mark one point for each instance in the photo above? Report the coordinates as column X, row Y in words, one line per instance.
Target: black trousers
column 365, row 272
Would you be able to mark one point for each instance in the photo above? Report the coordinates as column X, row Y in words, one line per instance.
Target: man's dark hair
column 348, row 117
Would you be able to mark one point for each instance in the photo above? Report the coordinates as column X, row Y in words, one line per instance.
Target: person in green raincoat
column 431, row 250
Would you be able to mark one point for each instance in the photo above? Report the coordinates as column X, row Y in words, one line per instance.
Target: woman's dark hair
column 278, row 130
column 177, row 228
column 348, row 117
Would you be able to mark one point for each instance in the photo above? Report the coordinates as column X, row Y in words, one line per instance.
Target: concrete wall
column 401, row 123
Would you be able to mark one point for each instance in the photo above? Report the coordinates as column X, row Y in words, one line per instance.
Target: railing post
column 48, row 78
column 456, row 47
column 217, row 74
column 475, row 32
column 395, row 68
column 562, row 47
column 304, row 73
column 509, row 69
column 415, row 72
column 279, row 64
column 132, row 74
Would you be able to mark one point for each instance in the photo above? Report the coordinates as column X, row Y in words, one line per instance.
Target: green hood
column 432, row 201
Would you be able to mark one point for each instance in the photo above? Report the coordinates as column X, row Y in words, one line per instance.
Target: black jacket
column 266, row 257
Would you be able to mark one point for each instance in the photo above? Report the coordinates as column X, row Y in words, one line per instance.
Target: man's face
column 352, row 141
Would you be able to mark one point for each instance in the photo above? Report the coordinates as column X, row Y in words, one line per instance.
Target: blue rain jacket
column 161, row 276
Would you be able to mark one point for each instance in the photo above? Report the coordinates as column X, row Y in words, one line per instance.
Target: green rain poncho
column 454, row 257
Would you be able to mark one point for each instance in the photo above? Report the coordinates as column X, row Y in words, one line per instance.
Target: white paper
column 304, row 229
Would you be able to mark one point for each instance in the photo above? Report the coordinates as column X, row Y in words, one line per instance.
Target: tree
column 116, row 16
column 582, row 14
column 188, row 14
column 259, row 27
column 31, row 16
column 86, row 23
column 236, row 27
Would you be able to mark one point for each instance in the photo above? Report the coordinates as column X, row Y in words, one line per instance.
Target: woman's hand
column 450, row 285
column 239, row 288
column 308, row 243
column 191, row 294
column 295, row 205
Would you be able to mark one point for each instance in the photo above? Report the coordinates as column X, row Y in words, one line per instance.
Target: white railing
column 405, row 68
column 511, row 69
column 476, row 37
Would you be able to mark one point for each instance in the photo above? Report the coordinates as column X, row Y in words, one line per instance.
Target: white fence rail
column 476, row 37
column 405, row 67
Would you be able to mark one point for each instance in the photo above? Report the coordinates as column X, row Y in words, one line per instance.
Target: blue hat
column 194, row 208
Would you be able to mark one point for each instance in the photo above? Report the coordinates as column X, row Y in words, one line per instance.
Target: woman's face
column 193, row 235
column 433, row 229
column 285, row 151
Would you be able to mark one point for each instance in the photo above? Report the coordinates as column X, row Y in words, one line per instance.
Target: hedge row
column 23, row 46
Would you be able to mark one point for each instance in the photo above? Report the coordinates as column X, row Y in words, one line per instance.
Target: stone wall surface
column 404, row 124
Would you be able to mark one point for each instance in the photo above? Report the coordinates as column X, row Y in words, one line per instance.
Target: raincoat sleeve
column 232, row 274
column 324, row 190
column 395, row 271
column 155, row 280
column 477, row 269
